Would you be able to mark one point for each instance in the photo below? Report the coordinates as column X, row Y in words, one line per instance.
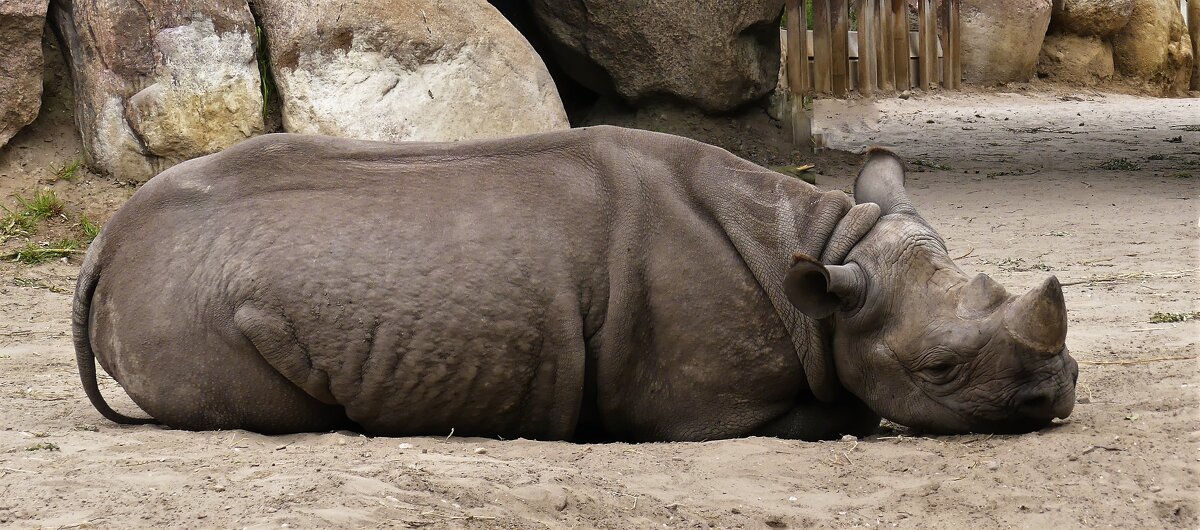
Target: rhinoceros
column 590, row 284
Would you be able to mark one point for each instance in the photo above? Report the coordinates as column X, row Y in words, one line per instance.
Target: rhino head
column 924, row 344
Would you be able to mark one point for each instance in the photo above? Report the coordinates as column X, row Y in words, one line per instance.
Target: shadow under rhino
column 596, row 283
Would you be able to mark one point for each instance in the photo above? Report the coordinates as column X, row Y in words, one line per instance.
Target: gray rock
column 160, row 83
column 1091, row 18
column 1155, row 48
column 714, row 54
column 21, row 23
column 400, row 70
column 1001, row 39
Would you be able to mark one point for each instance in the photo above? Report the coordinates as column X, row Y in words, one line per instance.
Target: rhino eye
column 940, row 371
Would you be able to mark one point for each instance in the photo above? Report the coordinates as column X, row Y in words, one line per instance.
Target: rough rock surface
column 157, row 83
column 714, row 54
column 1091, row 18
column 1154, row 47
column 1076, row 60
column 1001, row 39
column 21, row 23
column 400, row 70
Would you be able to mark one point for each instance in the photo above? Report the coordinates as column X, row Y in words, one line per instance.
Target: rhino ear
column 817, row 290
column 881, row 181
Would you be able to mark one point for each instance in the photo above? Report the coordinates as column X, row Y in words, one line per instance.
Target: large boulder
column 21, row 23
column 1091, row 18
column 714, row 54
column 157, row 83
column 1154, row 47
column 1001, row 39
column 400, row 70
column 1075, row 60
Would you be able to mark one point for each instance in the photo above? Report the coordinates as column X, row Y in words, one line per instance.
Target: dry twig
column 1142, row 361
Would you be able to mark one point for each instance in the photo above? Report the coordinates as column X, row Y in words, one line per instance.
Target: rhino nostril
column 1038, row 405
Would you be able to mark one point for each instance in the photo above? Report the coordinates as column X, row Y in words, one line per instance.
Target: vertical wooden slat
column 822, row 47
column 884, row 58
column 839, row 18
column 927, row 45
column 797, row 48
column 865, row 86
column 951, row 41
column 900, row 44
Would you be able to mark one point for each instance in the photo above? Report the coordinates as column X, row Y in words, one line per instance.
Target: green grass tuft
column 1164, row 318
column 32, row 253
column 68, row 171
column 44, row 205
column 90, row 230
column 1120, row 164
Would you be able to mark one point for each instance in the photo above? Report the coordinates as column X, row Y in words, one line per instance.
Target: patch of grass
column 33, row 254
column 1157, row 157
column 22, row 222
column 37, row 284
column 1120, row 164
column 931, row 165
column 266, row 76
column 89, row 229
column 44, row 205
column 1189, row 128
column 68, row 171
column 1183, row 175
column 44, row 446
column 13, row 224
column 1164, row 318
column 1174, row 139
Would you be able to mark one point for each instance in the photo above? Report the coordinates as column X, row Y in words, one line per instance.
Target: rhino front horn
column 1038, row 318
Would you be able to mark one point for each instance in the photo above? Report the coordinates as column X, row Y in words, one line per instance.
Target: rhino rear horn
column 1038, row 318
column 881, row 181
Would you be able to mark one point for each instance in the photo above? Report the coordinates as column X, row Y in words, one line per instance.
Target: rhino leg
column 815, row 420
column 195, row 377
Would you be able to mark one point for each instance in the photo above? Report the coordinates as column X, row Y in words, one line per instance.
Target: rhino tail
column 85, row 358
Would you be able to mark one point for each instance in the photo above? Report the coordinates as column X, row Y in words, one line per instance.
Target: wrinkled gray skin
column 589, row 284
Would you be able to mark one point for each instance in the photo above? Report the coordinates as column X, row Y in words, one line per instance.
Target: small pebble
column 849, row 438
column 480, row 451
column 992, row 466
column 405, row 446
column 1155, row 489
column 218, row 488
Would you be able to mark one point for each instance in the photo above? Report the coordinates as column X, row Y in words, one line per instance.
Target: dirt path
column 1127, row 457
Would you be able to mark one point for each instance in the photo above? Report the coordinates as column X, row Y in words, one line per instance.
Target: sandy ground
column 1015, row 201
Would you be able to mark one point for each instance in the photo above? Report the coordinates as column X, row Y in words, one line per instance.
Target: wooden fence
column 883, row 55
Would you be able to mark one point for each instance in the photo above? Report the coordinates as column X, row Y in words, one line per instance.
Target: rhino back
column 426, row 287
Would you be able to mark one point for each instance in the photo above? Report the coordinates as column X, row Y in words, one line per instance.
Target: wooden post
column 822, row 47
column 866, row 47
column 927, row 47
column 799, row 84
column 839, row 17
column 951, row 41
column 802, row 135
column 797, row 48
column 884, row 55
column 1194, row 30
column 900, row 44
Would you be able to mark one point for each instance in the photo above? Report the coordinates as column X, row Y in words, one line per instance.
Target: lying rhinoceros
column 597, row 283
